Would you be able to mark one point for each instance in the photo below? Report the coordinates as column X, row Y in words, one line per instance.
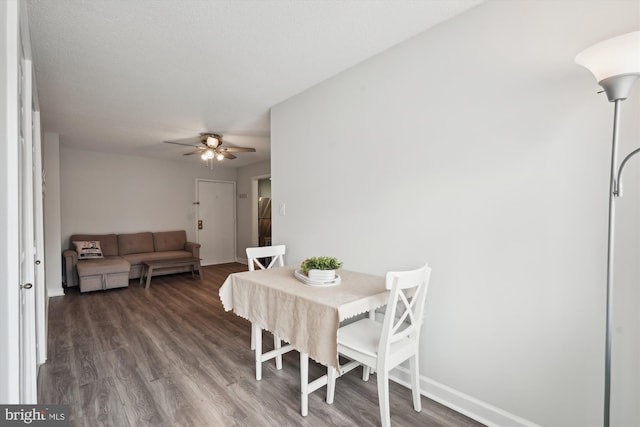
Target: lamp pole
column 615, row 190
column 610, row 255
column 615, row 63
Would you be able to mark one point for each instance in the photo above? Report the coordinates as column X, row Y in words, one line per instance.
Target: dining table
column 304, row 315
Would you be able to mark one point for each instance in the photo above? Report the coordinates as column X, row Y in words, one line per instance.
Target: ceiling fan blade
column 227, row 155
column 238, row 149
column 179, row 143
column 205, row 143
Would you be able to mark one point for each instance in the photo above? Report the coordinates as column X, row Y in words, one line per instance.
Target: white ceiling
column 123, row 76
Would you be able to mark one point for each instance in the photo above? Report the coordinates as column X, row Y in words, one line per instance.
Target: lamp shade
column 612, row 57
column 615, row 63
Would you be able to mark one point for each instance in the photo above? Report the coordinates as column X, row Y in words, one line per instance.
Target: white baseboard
column 470, row 406
column 242, row 261
column 55, row 292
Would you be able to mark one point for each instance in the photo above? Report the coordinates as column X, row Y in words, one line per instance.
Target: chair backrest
column 274, row 252
column 405, row 308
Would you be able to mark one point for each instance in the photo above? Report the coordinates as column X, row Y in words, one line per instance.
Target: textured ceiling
column 123, row 76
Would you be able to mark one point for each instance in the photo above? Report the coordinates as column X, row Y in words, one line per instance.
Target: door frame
column 235, row 217
column 254, row 207
column 39, row 279
column 28, row 360
column 10, row 262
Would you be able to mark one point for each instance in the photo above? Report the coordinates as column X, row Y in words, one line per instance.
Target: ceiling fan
column 212, row 147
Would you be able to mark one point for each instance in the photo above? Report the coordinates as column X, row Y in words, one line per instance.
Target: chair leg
column 257, row 332
column 383, row 397
column 415, row 382
column 304, row 383
column 277, row 344
column 366, row 371
column 253, row 338
column 332, row 373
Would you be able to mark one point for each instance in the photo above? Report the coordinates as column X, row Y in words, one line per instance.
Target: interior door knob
column 26, row 286
column 37, row 262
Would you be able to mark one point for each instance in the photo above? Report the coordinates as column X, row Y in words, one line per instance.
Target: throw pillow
column 88, row 249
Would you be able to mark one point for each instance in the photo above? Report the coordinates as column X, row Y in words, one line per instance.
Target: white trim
column 28, row 358
column 242, row 261
column 460, row 402
column 9, row 274
column 52, row 239
column 24, row 30
column 55, row 292
column 39, row 278
column 195, row 205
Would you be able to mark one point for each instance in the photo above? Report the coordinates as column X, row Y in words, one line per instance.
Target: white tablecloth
column 306, row 316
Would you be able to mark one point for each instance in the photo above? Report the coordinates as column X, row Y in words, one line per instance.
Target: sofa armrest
column 70, row 261
column 193, row 247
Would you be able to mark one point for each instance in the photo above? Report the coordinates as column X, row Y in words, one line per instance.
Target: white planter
column 322, row 274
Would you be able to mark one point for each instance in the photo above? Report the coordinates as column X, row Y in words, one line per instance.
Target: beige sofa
column 123, row 257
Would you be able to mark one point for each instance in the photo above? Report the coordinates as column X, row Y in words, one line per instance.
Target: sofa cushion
column 136, row 259
column 88, row 249
column 107, row 265
column 169, row 240
column 108, row 242
column 135, row 243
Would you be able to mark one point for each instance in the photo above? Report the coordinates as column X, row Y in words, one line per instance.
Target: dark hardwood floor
column 171, row 356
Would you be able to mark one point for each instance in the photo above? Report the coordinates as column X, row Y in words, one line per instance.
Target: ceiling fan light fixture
column 208, row 155
column 213, row 142
column 212, row 147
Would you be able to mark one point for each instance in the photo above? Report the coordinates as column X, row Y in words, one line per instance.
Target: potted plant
column 320, row 268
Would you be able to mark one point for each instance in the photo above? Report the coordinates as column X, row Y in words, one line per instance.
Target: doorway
column 258, row 191
column 264, row 212
column 216, row 221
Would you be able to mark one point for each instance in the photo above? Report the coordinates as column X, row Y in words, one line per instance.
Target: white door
column 216, row 215
column 28, row 367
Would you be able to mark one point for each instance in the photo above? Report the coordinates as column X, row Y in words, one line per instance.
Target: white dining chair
column 382, row 346
column 275, row 254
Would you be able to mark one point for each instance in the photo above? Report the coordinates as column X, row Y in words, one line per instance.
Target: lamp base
column 618, row 87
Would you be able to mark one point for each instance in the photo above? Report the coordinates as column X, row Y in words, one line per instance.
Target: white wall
column 246, row 215
column 481, row 148
column 107, row 193
column 52, row 232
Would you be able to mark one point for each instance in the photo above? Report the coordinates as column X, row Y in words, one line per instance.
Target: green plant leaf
column 320, row 263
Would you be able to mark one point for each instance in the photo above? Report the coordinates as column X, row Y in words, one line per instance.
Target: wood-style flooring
column 171, row 356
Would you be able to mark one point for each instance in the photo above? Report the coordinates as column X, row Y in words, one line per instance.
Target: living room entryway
column 216, row 223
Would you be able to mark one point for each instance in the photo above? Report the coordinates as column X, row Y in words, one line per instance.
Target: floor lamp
column 615, row 63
